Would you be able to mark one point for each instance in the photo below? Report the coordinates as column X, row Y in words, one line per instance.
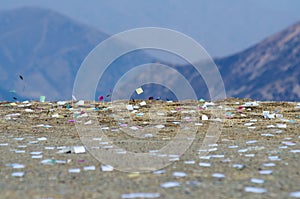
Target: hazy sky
column 223, row 27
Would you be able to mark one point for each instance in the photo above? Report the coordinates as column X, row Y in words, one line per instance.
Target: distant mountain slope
column 269, row 70
column 46, row 48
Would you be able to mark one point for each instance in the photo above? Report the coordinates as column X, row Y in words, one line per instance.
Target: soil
column 247, row 145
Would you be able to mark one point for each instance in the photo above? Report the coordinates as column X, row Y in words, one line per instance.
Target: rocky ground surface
column 254, row 154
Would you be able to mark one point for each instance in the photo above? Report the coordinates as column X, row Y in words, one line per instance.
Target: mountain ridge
column 262, row 67
column 49, row 50
column 44, row 51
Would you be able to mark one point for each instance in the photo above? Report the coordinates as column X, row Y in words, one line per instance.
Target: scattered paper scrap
column 218, row 175
column 255, row 190
column 189, row 162
column 266, row 172
column 204, row 117
column 139, row 91
column 249, row 104
column 143, row 103
column 140, row 195
column 79, row 149
column 267, row 115
column 283, row 126
column 274, row 158
column 129, row 107
column 179, row 174
column 204, row 164
column 238, row 166
column 18, row 174
column 257, row 180
column 80, row 103
column 295, row 194
column 170, row 184
column 42, row 98
column 107, row 168
column 75, row 170
column 16, row 166
column 160, row 126
column 158, row 172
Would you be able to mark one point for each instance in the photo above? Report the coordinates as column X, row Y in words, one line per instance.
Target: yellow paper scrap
column 139, row 90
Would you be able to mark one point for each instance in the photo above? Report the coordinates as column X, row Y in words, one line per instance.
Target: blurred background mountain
column 46, row 49
column 269, row 70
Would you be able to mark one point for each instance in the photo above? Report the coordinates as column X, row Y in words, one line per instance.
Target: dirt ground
column 254, row 157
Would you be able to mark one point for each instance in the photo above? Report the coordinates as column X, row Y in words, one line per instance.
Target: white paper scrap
column 218, row 175
column 251, row 141
column 76, row 170
column 134, row 128
column 271, row 164
column 250, row 155
column 18, row 174
column 238, row 166
column 16, row 166
column 80, row 103
column 89, row 168
column 88, row 122
column 266, row 172
column 283, row 126
column 218, row 156
column 143, row 103
column 19, row 151
column 289, row 143
column 295, row 194
column 79, row 149
column 129, row 107
column 204, row 117
column 42, row 139
column 189, row 162
column 267, row 134
column 295, row 151
column 37, row 156
column 107, row 168
column 233, row 147
column 248, row 104
column 207, row 157
column 160, row 126
column 204, row 164
column 255, row 190
column 179, row 174
column 148, row 135
column 61, row 103
column 140, row 195
column 36, row 152
column 158, row 172
column 257, row 180
column 49, row 147
column 242, row 150
column 274, row 158
column 170, row 184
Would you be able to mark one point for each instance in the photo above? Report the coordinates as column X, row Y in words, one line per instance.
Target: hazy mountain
column 47, row 48
column 269, row 70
